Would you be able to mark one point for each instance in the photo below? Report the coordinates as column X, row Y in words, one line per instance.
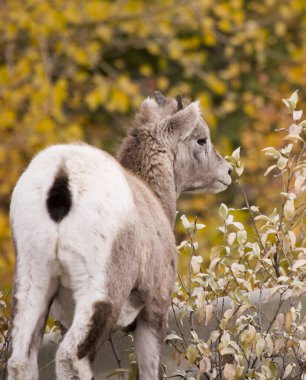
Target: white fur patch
column 75, row 251
column 101, row 204
column 127, row 315
column 147, row 352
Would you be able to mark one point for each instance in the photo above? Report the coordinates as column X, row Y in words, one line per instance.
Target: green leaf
column 260, row 346
column 239, row 169
column 299, row 264
column 236, row 154
column 170, row 337
column 196, row 262
column 297, row 115
column 223, row 211
column 117, row 372
column 282, row 163
column 291, row 102
column 289, row 209
column 133, row 372
column 293, row 138
column 270, row 168
column 241, row 237
column 270, row 151
column 186, row 222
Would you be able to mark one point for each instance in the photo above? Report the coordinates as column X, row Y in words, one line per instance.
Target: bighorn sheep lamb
column 94, row 241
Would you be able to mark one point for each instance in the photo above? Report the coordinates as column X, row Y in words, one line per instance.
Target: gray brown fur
column 142, row 269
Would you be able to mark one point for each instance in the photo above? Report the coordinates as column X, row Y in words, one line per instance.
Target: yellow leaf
column 229, row 372
column 282, row 163
column 205, row 364
column 208, row 314
column 119, row 101
column 299, row 264
column 216, row 84
column 260, row 346
column 289, row 209
column 293, row 138
column 288, row 321
column 145, row 70
column 162, row 83
column 298, row 184
column 192, row 353
column 209, row 38
column 175, row 50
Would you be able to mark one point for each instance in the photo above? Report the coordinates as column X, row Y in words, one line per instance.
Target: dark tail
column 59, row 197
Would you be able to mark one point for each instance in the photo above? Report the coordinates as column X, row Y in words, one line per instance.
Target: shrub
column 246, row 342
column 4, row 324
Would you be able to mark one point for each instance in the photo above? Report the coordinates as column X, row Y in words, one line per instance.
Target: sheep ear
column 179, row 100
column 149, row 104
column 148, row 111
column 159, row 98
column 183, row 122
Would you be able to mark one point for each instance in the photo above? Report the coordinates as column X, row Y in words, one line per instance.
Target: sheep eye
column 202, row 141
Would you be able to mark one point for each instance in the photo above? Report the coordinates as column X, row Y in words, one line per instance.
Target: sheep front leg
column 149, row 336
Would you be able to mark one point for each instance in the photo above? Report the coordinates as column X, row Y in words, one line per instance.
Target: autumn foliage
column 78, row 70
column 259, row 260
column 73, row 70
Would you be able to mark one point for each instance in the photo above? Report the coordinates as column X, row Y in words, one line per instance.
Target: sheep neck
column 153, row 164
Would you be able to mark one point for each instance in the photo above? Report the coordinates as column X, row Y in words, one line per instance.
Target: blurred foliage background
column 79, row 69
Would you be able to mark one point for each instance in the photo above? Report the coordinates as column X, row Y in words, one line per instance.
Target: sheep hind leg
column 30, row 311
column 149, row 336
column 92, row 324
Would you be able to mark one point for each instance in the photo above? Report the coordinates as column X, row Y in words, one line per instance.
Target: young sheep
column 94, row 240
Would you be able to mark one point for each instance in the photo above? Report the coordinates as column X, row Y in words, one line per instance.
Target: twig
column 182, row 283
column 192, row 253
column 115, row 351
column 46, row 365
column 178, row 326
column 257, row 232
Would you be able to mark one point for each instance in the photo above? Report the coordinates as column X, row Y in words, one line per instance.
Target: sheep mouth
column 225, row 183
column 195, row 189
column 199, row 189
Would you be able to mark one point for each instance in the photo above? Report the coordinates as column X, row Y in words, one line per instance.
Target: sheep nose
column 230, row 171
